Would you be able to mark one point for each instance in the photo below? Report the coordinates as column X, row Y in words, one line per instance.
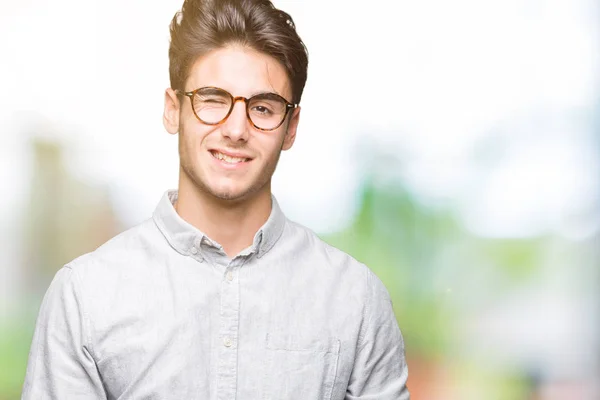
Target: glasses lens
column 267, row 111
column 212, row 105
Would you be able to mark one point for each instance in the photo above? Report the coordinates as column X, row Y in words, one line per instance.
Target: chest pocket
column 300, row 368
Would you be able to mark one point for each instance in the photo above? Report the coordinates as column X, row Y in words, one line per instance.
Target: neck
column 231, row 223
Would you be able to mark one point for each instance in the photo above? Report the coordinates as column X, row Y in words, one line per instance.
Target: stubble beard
column 195, row 177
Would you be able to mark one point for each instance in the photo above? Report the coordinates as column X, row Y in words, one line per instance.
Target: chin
column 229, row 194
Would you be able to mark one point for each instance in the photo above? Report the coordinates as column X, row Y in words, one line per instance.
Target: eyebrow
column 212, row 90
column 266, row 92
column 269, row 95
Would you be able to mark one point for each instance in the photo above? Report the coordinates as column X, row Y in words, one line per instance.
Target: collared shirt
column 161, row 312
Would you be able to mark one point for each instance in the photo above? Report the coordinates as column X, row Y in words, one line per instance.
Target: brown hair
column 206, row 25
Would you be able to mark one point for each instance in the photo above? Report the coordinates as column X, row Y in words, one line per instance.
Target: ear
column 171, row 113
column 290, row 135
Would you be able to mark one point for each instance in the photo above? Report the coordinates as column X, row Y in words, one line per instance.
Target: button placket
column 228, row 332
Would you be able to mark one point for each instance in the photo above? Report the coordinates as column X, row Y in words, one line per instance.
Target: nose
column 236, row 125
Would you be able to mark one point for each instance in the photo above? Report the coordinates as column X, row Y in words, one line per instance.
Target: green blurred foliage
column 15, row 340
column 519, row 259
column 399, row 240
column 408, row 244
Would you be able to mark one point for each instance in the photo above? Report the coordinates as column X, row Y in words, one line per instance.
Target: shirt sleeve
column 380, row 371
column 60, row 364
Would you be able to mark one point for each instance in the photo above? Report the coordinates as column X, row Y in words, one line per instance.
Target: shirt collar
column 186, row 238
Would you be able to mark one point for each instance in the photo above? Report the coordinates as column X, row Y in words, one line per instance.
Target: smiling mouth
column 228, row 159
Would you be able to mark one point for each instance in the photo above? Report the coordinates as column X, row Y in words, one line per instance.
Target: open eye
column 262, row 109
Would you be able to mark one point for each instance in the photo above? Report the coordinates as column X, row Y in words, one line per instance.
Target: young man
column 218, row 295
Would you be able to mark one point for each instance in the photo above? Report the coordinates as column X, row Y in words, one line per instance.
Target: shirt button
column 194, row 250
column 229, row 276
column 227, row 341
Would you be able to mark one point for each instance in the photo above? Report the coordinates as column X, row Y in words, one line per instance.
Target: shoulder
column 326, row 255
column 339, row 271
column 135, row 243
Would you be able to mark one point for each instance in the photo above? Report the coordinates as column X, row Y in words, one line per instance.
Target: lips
column 229, row 157
column 232, row 154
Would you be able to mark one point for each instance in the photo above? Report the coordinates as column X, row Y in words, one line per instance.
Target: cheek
column 193, row 138
column 268, row 149
column 274, row 143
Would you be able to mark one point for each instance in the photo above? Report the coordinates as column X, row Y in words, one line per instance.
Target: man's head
column 245, row 48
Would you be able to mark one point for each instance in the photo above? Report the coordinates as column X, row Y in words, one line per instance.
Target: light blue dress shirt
column 161, row 312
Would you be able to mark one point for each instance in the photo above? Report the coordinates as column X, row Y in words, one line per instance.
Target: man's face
column 241, row 72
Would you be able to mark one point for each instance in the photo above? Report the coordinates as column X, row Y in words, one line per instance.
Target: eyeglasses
column 212, row 106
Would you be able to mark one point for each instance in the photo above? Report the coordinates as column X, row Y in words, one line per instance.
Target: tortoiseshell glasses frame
column 267, row 96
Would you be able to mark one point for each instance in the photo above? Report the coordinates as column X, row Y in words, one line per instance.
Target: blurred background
column 454, row 147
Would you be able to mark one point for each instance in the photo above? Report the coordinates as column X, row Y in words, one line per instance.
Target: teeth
column 224, row 157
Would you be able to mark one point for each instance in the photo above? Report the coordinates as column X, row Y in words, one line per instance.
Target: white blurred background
column 469, row 129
